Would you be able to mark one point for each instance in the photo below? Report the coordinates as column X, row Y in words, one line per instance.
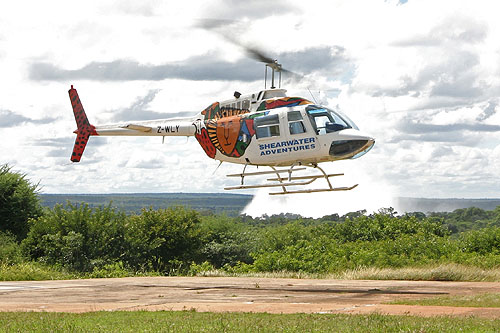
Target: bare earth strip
column 230, row 294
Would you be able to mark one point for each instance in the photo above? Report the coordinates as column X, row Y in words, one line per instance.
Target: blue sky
column 422, row 77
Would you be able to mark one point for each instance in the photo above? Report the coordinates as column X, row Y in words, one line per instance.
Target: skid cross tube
column 307, row 177
column 269, row 185
column 285, row 181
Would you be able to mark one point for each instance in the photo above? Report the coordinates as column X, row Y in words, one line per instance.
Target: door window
column 267, row 126
column 295, row 123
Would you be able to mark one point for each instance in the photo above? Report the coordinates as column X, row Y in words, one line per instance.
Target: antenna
column 312, row 95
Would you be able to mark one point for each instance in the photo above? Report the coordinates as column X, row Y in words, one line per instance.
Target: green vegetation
column 83, row 241
column 465, row 219
column 18, row 202
column 437, row 272
column 33, row 271
column 190, row 321
column 481, row 301
column 10, row 252
column 104, row 242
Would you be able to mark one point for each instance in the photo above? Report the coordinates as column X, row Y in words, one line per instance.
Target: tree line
column 176, row 240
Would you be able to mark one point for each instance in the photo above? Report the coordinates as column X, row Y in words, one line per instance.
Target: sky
column 422, row 77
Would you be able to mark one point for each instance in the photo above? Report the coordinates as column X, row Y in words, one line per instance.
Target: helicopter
column 263, row 129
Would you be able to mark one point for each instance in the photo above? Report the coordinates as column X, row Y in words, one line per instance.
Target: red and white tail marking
column 85, row 129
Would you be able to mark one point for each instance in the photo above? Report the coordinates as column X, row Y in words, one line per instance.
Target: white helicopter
column 268, row 128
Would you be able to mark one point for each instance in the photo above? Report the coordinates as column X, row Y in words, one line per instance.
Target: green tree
column 483, row 241
column 19, row 202
column 227, row 241
column 164, row 240
column 77, row 237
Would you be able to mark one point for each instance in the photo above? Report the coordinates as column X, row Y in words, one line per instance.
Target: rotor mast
column 275, row 67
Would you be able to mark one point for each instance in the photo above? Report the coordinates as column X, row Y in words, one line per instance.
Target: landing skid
column 289, row 180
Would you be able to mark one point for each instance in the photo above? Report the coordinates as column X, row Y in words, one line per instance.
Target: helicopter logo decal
column 225, row 130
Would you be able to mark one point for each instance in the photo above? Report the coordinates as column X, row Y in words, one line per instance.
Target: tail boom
column 178, row 126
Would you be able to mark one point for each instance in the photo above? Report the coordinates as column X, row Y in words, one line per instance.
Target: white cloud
column 421, row 77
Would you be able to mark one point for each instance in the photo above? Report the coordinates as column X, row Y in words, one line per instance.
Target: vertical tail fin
column 84, row 128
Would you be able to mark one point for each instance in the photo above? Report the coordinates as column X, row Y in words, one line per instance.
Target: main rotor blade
column 256, row 54
column 221, row 27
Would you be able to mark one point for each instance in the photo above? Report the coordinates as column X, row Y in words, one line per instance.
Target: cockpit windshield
column 346, row 119
column 326, row 120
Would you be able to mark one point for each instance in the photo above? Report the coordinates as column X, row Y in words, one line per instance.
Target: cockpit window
column 294, row 116
column 325, row 120
column 274, row 93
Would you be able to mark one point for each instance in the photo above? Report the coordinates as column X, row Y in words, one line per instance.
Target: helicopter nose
column 350, row 148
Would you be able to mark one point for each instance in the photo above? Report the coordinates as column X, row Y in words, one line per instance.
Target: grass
column 482, row 301
column 444, row 272
column 190, row 321
column 31, row 271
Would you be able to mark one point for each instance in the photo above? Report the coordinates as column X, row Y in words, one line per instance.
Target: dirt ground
column 230, row 294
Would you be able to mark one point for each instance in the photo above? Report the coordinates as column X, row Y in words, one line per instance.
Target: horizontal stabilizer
column 138, row 127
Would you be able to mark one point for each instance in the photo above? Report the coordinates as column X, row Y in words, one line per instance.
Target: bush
column 484, row 241
column 115, row 270
column 10, row 251
column 278, row 238
column 19, row 202
column 32, row 271
column 380, row 240
column 77, row 237
column 200, row 269
column 95, row 240
column 163, row 240
column 382, row 226
column 226, row 241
